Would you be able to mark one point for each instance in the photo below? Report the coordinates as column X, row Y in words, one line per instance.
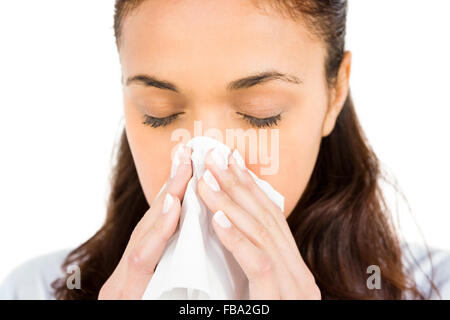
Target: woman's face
column 200, row 50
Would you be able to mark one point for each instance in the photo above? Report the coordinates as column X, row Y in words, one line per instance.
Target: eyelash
column 159, row 122
column 253, row 121
column 261, row 122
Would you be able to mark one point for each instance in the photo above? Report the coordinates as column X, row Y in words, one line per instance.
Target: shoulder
column 32, row 279
column 425, row 264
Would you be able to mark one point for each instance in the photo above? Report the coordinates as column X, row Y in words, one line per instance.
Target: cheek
column 296, row 170
column 296, row 163
column 299, row 143
column 150, row 152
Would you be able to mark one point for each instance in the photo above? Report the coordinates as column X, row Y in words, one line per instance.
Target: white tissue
column 195, row 264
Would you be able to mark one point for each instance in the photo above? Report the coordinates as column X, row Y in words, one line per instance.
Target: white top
column 32, row 279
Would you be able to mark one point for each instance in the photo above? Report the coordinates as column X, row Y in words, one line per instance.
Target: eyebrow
column 150, row 81
column 242, row 83
column 262, row 77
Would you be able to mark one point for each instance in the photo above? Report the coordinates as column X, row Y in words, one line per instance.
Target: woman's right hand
column 149, row 238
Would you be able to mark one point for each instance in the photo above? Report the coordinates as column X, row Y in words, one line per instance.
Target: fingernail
column 219, row 159
column 210, row 180
column 222, row 219
column 176, row 160
column 240, row 162
column 168, row 203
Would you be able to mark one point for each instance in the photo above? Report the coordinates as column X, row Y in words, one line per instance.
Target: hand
column 255, row 231
column 149, row 238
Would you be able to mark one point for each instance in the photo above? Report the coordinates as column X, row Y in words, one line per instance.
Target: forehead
column 209, row 37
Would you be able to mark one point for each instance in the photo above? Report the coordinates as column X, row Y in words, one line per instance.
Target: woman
column 242, row 64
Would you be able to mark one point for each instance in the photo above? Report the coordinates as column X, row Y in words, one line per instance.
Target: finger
column 143, row 258
column 234, row 187
column 255, row 264
column 237, row 165
column 244, row 185
column 242, row 189
column 181, row 172
column 289, row 248
column 250, row 228
column 243, row 175
column 218, row 200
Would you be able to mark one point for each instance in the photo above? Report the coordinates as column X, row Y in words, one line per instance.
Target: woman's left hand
column 255, row 231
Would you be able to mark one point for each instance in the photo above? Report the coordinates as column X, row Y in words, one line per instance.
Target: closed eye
column 155, row 122
column 261, row 122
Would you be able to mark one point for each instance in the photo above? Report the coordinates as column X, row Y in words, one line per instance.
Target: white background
column 61, row 114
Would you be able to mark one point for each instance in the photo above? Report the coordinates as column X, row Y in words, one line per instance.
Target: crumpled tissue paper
column 195, row 264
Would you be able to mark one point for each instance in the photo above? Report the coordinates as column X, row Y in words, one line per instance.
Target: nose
column 212, row 121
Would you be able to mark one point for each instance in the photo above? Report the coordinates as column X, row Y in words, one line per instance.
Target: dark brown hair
column 341, row 223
